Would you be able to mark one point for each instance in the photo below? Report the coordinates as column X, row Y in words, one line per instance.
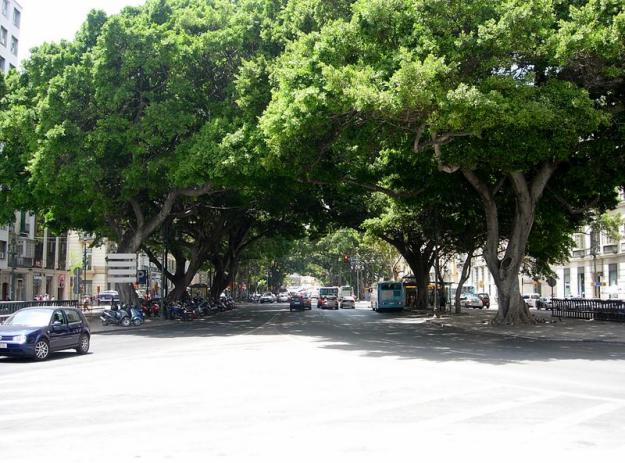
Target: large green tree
column 489, row 89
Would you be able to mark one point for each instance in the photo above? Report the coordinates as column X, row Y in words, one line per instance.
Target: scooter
column 136, row 316
column 115, row 316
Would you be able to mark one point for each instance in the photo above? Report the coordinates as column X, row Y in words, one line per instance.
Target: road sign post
column 121, row 268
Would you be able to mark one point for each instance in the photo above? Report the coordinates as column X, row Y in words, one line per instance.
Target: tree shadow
column 403, row 335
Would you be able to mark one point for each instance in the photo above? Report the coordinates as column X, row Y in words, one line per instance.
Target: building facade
column 10, row 24
column 32, row 261
column 596, row 268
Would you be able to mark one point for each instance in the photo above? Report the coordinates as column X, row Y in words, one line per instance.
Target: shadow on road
column 402, row 335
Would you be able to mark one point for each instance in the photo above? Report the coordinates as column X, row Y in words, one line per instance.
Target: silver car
column 471, row 300
column 348, row 302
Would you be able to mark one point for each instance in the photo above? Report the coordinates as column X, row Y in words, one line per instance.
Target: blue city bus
column 388, row 295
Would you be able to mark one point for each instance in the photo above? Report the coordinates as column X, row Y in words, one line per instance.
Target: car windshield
column 31, row 318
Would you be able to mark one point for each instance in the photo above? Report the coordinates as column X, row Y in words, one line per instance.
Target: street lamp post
column 594, row 250
column 13, row 256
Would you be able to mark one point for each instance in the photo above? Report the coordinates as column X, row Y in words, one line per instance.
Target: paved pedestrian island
column 546, row 327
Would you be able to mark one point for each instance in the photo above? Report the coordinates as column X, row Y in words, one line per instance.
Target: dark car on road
column 300, row 301
column 485, row 297
column 38, row 331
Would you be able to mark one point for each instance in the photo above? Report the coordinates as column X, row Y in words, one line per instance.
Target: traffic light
column 346, row 259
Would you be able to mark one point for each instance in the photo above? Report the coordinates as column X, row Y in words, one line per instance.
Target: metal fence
column 7, row 308
column 589, row 309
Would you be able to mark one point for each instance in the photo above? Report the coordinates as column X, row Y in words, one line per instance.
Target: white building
column 10, row 24
column 597, row 265
column 17, row 255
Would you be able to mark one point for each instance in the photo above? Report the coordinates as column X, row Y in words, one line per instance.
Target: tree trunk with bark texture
column 464, row 276
column 505, row 270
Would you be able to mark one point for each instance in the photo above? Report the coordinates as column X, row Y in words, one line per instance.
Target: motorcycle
column 180, row 311
column 115, row 316
column 150, row 309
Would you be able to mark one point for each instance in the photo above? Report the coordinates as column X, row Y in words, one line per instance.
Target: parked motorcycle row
column 198, row 307
column 126, row 315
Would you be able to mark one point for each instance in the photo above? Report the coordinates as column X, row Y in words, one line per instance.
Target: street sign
column 77, row 285
column 121, row 268
column 142, row 277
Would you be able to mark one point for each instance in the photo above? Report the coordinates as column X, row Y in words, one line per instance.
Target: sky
column 53, row 20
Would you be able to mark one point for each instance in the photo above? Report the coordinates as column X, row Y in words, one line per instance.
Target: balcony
column 578, row 253
column 610, row 249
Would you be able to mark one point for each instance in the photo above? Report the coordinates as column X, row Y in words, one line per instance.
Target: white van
column 345, row 291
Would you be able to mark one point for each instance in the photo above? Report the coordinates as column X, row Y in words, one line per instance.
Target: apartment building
column 32, row 260
column 10, row 24
column 596, row 268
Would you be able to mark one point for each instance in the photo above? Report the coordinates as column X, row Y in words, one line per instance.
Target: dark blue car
column 37, row 331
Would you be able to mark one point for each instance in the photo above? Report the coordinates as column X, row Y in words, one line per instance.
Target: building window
column 5, row 8
column 567, row 282
column 17, row 17
column 89, row 259
column 581, row 282
column 608, row 239
column 2, row 63
column 612, row 274
column 3, row 36
column 3, row 249
column 14, row 45
column 580, row 241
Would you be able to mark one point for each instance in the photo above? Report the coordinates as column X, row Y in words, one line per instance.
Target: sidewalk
column 547, row 328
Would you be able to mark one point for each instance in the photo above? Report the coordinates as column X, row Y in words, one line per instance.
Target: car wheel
column 42, row 350
column 83, row 344
column 125, row 321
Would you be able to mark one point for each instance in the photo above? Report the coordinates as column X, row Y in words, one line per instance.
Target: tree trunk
column 421, row 270
column 512, row 309
column 464, row 276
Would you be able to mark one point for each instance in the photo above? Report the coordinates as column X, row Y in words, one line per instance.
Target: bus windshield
column 390, row 286
column 328, row 292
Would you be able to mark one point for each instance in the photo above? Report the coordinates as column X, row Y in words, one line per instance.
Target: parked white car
column 471, row 300
column 532, row 299
column 267, row 297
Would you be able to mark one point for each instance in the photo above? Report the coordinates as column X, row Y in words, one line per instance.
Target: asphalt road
column 263, row 384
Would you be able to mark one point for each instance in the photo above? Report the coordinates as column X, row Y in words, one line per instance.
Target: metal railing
column 7, row 308
column 589, row 309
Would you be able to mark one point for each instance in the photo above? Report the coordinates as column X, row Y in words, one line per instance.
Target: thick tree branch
column 573, row 210
column 540, row 180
